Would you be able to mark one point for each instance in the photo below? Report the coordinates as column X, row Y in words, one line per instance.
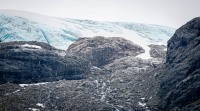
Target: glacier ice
column 61, row 32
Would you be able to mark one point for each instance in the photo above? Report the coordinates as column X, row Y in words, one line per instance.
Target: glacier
column 61, row 32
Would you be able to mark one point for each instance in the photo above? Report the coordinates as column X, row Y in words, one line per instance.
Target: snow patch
column 97, row 83
column 31, row 46
column 33, row 109
column 142, row 104
column 36, row 84
column 16, row 91
column 145, row 55
column 41, row 105
column 103, row 97
column 96, row 68
column 7, row 94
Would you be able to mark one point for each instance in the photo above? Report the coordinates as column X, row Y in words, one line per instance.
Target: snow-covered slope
column 61, row 32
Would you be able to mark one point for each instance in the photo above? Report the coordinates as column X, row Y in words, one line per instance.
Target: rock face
column 30, row 62
column 180, row 87
column 101, row 51
column 158, row 51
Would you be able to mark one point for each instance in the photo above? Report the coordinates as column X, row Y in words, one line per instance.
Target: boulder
column 101, row 50
column 158, row 51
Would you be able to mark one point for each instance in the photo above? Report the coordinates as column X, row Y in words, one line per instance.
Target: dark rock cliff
column 31, row 62
column 180, row 86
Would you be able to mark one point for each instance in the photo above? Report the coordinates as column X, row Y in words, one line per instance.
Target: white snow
column 40, row 104
column 145, row 55
column 7, row 94
column 103, row 97
column 96, row 68
column 142, row 98
column 31, row 46
column 16, row 91
column 103, row 93
column 97, row 83
column 104, row 85
column 36, row 84
column 33, row 109
column 142, row 104
column 13, row 92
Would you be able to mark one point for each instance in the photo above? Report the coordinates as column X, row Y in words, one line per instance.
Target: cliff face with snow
column 61, row 32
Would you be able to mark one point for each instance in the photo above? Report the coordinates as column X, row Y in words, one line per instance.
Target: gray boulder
column 101, row 51
column 158, row 51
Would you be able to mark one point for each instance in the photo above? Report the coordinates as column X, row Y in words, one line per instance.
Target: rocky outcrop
column 137, row 65
column 101, row 51
column 158, row 51
column 31, row 62
column 180, row 87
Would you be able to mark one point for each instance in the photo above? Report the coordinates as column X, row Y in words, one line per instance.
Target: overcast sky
column 173, row 13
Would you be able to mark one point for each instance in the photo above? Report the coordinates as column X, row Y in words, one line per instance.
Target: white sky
column 173, row 13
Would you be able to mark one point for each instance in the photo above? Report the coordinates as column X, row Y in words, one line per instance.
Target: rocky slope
column 180, row 87
column 120, row 83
